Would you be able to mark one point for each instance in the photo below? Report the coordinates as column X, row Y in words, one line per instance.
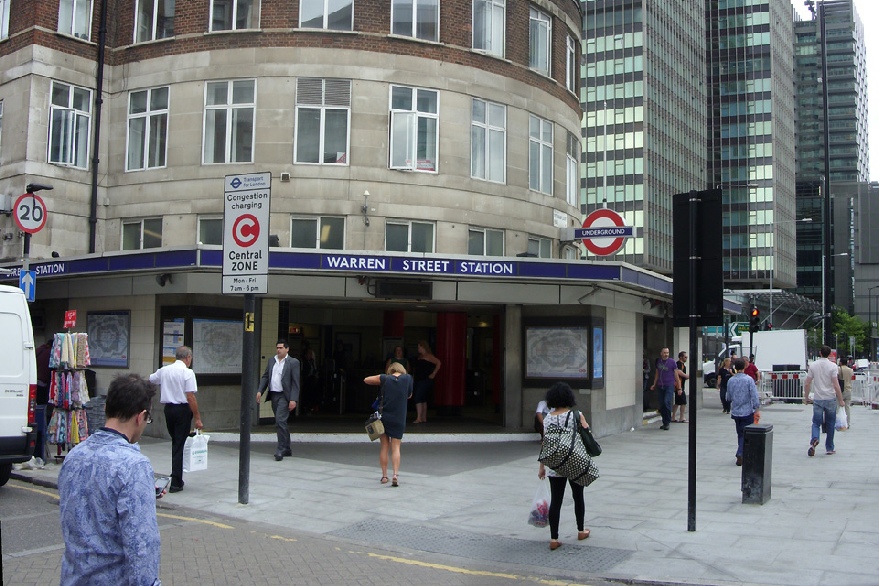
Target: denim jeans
column 665, row 393
column 824, row 415
column 741, row 422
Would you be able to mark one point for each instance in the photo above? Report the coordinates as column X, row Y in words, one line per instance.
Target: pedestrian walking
column 741, row 393
column 107, row 496
column 426, row 365
column 560, row 400
column 823, row 379
column 680, row 402
column 846, row 376
column 281, row 383
column 666, row 381
column 725, row 373
column 396, row 389
column 178, row 387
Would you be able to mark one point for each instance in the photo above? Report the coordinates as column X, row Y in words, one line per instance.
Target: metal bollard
column 757, row 464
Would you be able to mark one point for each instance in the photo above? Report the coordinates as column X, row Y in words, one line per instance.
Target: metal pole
column 692, row 253
column 825, row 193
column 248, row 376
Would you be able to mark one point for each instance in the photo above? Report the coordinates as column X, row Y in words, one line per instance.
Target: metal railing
column 788, row 386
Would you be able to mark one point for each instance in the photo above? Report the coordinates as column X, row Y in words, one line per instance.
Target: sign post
column 246, row 271
column 604, row 232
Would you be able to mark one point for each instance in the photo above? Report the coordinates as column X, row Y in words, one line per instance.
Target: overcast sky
column 868, row 10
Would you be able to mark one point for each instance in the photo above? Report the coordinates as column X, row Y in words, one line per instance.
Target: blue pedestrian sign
column 27, row 282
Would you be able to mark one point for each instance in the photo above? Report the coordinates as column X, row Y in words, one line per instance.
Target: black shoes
column 173, row 488
column 288, row 453
column 738, row 460
column 664, row 426
column 279, row 455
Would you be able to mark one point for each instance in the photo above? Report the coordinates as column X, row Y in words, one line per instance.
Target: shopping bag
column 841, row 419
column 539, row 516
column 195, row 452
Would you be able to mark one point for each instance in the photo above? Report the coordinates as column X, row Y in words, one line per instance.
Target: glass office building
column 644, row 103
column 751, row 139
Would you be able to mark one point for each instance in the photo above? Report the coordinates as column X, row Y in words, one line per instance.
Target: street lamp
column 774, row 250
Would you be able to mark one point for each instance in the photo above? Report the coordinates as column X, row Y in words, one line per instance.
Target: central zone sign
column 246, row 233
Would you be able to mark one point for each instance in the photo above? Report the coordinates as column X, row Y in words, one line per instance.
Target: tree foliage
column 844, row 327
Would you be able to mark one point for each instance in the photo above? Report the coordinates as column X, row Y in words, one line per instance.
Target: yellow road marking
column 467, row 572
column 54, row 495
column 194, row 520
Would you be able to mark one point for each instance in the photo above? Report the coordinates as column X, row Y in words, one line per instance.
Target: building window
column 153, row 19
column 234, row 15
column 540, row 154
column 408, row 236
column 540, row 35
column 147, row 129
column 4, row 18
column 485, row 242
column 415, row 18
column 572, row 65
column 414, row 123
column 573, row 169
column 324, row 232
column 334, row 15
column 488, row 141
column 229, row 112
column 489, row 26
column 323, row 116
column 570, row 253
column 210, row 230
column 69, row 121
column 142, row 234
column 75, row 18
column 539, row 247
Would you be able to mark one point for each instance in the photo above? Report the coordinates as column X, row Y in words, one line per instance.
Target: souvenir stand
column 68, row 391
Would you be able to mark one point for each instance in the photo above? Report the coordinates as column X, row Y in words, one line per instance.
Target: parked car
column 18, row 381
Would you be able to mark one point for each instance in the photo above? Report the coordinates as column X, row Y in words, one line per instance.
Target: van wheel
column 5, row 472
column 711, row 381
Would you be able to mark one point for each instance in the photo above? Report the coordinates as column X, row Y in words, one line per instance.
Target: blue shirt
column 108, row 514
column 741, row 392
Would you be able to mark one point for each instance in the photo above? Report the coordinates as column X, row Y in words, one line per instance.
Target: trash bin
column 757, row 464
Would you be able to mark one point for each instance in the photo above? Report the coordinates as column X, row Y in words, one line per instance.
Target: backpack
column 564, row 452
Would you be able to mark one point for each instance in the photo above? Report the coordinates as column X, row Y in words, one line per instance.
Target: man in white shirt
column 281, row 380
column 823, row 377
column 178, row 385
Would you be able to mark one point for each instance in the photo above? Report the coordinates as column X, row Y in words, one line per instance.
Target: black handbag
column 593, row 448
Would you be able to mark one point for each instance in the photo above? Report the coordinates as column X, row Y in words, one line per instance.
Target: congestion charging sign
column 246, row 233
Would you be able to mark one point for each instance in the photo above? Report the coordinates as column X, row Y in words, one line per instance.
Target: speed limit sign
column 30, row 213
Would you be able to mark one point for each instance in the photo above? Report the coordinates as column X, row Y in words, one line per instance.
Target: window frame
column 572, row 65
column 544, row 245
column 230, row 106
column 147, row 134
column 319, row 227
column 154, row 24
column 323, row 108
column 326, row 15
column 140, row 222
column 71, row 29
column 488, row 127
column 414, row 5
column 234, row 18
column 497, row 46
column 541, row 145
column 572, row 167
column 409, row 224
column 485, row 232
column 209, row 218
column 4, row 18
column 411, row 118
column 73, row 145
column 539, row 21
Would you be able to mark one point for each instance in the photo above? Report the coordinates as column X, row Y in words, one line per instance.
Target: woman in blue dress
column 396, row 389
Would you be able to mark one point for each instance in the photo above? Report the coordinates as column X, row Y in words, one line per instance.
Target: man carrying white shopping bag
column 181, row 408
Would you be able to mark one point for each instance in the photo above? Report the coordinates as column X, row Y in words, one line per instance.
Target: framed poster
column 217, row 346
column 109, row 337
column 564, row 349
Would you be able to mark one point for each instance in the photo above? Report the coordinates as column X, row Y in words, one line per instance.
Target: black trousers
column 557, row 490
column 178, row 419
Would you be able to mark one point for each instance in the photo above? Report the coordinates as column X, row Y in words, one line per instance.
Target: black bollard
column 757, row 464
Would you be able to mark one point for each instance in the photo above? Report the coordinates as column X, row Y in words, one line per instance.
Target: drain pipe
column 99, row 101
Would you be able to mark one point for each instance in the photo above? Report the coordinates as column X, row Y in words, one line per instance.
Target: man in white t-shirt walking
column 181, row 408
column 823, row 379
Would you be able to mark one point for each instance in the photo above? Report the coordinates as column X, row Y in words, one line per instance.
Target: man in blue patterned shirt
column 108, row 499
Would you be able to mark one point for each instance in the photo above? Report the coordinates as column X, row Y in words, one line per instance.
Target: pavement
column 466, row 502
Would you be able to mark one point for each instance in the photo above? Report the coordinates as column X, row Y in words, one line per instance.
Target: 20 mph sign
column 30, row 213
column 246, row 233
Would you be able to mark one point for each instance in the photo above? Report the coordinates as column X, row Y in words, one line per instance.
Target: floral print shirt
column 108, row 514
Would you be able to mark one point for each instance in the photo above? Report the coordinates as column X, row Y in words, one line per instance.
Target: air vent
column 399, row 289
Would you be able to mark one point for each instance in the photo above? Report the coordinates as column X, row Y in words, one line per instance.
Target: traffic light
column 754, row 325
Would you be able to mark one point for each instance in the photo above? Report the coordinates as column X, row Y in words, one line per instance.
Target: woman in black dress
column 396, row 388
column 726, row 372
column 425, row 368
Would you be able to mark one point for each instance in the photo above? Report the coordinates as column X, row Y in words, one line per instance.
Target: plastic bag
column 539, row 515
column 841, row 419
column 195, row 452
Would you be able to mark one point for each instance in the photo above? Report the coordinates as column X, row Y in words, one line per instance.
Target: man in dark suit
column 281, row 381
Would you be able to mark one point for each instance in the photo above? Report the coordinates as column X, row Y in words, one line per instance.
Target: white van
column 18, row 381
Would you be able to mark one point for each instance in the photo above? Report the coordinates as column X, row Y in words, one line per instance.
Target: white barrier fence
column 787, row 386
